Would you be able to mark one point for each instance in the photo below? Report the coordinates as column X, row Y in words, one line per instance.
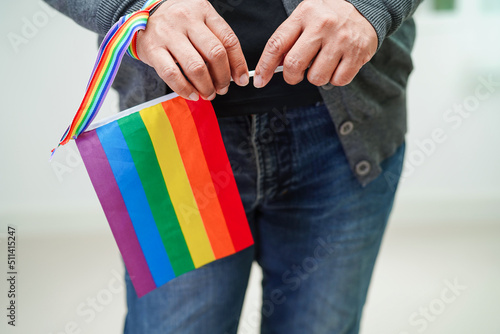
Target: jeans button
column 346, row 128
column 363, row 167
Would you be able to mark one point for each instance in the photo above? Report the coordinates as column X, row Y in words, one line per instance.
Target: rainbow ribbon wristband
column 120, row 38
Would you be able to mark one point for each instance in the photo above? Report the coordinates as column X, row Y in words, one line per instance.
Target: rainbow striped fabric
column 119, row 39
column 166, row 186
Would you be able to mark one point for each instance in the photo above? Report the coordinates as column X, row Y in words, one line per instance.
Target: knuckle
column 324, row 23
column 179, row 11
column 169, row 74
column 275, row 44
column 217, row 52
column 195, row 69
column 364, row 43
column 306, row 6
column 343, row 37
column 293, row 64
column 230, row 40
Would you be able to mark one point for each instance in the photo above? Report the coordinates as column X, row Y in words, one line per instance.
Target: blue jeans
column 317, row 233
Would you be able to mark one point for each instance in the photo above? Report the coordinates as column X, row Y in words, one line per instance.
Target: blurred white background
column 445, row 228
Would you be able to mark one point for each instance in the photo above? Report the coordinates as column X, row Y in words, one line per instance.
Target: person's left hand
column 330, row 36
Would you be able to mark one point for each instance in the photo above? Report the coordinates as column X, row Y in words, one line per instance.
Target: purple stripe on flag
column 109, row 195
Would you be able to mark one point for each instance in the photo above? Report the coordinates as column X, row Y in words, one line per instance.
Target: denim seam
column 253, row 137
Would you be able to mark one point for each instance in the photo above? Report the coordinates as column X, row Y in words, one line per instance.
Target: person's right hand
column 192, row 34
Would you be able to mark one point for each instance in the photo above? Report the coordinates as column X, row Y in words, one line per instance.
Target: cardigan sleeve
column 386, row 16
column 96, row 15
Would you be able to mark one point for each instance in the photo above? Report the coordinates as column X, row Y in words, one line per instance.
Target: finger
column 139, row 37
column 214, row 54
column 192, row 64
column 323, row 66
column 300, row 56
column 345, row 72
column 170, row 73
column 276, row 47
column 236, row 59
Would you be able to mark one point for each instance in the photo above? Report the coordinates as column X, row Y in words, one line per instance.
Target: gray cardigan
column 369, row 113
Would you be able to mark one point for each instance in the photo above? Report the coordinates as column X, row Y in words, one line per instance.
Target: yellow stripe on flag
column 179, row 188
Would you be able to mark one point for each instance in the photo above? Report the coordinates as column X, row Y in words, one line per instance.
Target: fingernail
column 212, row 96
column 244, row 80
column 194, row 97
column 223, row 91
column 257, row 81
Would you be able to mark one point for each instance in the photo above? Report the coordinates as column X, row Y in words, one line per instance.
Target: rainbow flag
column 165, row 184
column 160, row 171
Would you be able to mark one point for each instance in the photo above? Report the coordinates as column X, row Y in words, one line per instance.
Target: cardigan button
column 363, row 167
column 346, row 128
